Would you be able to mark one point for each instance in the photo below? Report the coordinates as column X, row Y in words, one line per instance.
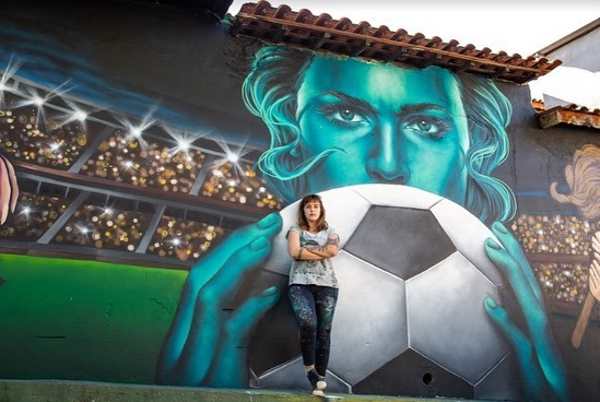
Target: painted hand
column 204, row 345
column 543, row 375
column 9, row 190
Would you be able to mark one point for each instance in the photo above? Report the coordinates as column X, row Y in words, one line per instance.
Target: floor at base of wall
column 77, row 391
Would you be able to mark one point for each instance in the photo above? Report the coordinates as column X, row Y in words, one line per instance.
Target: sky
column 515, row 26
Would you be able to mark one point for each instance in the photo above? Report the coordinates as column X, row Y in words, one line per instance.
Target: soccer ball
column 410, row 319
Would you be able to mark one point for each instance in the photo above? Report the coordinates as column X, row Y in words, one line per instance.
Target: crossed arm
column 311, row 252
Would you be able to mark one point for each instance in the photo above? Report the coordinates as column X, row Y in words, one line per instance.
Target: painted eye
column 428, row 126
column 425, row 126
column 347, row 115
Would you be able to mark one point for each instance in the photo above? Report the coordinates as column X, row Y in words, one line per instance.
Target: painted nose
column 385, row 163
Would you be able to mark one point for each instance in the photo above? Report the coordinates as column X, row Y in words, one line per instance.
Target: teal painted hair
column 269, row 92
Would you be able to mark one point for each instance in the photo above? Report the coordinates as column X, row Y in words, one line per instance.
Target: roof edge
column 323, row 33
column 571, row 115
column 584, row 30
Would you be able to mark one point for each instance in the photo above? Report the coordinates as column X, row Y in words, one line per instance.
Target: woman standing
column 313, row 286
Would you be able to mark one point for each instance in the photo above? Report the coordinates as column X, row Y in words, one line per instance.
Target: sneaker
column 321, row 384
column 318, row 382
column 318, row 392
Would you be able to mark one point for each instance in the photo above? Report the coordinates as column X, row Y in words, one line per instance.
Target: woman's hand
column 9, row 190
column 539, row 362
column 204, row 345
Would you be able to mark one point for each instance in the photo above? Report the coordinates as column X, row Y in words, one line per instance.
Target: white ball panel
column 447, row 320
column 395, row 195
column 468, row 235
column 369, row 325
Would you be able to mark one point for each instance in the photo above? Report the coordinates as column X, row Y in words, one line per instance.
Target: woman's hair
column 583, row 178
column 302, row 222
column 269, row 92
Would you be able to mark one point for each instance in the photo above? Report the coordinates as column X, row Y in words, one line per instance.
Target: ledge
column 572, row 115
column 76, row 391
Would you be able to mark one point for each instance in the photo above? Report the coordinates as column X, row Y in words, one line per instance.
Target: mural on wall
column 337, row 122
column 583, row 179
column 411, row 151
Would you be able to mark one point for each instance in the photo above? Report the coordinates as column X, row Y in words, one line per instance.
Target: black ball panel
column 419, row 241
column 275, row 338
column 412, row 374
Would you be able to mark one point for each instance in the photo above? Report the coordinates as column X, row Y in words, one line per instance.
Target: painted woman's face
column 391, row 124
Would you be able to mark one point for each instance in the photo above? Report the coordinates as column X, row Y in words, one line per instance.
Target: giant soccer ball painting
column 410, row 318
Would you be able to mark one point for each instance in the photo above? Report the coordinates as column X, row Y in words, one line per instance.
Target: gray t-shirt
column 315, row 272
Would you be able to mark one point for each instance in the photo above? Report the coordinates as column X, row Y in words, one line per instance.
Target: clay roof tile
column 282, row 25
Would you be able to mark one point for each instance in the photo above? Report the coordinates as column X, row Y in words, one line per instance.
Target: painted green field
column 74, row 319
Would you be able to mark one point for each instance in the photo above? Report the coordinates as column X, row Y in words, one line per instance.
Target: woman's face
column 312, row 211
column 391, row 124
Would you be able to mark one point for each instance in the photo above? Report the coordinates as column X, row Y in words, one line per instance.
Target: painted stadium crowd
column 35, row 134
column 239, row 186
column 541, row 234
column 33, row 216
column 104, row 227
column 48, row 138
column 47, row 141
column 144, row 164
column 558, row 235
column 183, row 239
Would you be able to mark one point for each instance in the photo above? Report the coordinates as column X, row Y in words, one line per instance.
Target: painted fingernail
column 259, row 243
column 270, row 291
column 499, row 227
column 268, row 220
column 490, row 302
column 492, row 243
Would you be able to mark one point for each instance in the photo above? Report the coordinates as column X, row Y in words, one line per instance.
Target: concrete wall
column 580, row 52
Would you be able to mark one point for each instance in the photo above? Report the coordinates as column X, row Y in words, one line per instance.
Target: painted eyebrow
column 354, row 102
column 358, row 103
column 420, row 107
column 404, row 110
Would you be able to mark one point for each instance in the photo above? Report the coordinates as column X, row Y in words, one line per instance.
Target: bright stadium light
column 83, row 229
column 232, row 157
column 39, row 102
column 80, row 115
column 183, row 145
column 136, row 132
column 26, row 210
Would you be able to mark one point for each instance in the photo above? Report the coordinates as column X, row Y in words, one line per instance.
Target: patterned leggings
column 314, row 307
